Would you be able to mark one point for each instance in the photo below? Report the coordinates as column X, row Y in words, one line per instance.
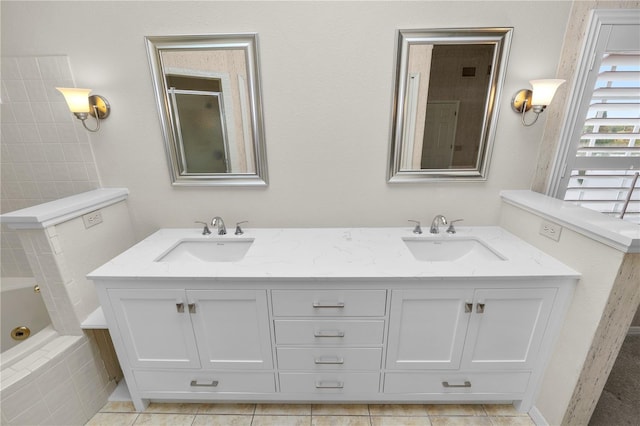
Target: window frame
column 597, row 41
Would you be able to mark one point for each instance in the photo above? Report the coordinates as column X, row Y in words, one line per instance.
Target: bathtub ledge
column 64, row 209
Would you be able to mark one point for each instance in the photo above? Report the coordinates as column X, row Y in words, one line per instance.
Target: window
column 602, row 161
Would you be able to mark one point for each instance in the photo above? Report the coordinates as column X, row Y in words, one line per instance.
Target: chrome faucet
column 439, row 219
column 219, row 223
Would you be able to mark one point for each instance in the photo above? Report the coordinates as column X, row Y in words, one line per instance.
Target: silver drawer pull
column 213, row 384
column 192, row 308
column 480, row 308
column 329, row 360
column 328, row 334
column 180, row 308
column 319, row 305
column 465, row 385
column 329, row 385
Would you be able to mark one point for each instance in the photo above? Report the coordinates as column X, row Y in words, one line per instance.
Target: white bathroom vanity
column 334, row 315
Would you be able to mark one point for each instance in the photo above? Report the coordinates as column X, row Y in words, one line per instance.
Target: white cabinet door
column 155, row 327
column 427, row 328
column 507, row 327
column 232, row 328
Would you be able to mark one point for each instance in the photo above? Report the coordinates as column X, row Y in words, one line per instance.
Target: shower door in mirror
column 208, row 94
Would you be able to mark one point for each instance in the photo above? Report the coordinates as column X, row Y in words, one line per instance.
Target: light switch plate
column 92, row 219
column 550, row 230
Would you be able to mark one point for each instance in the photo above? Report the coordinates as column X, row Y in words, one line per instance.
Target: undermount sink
column 213, row 250
column 451, row 249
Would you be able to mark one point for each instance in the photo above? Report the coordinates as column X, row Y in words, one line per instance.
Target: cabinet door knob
column 192, row 308
column 466, row 384
column 322, row 333
column 480, row 308
column 180, row 307
column 320, row 305
column 329, row 360
column 213, row 384
column 468, row 307
column 329, row 385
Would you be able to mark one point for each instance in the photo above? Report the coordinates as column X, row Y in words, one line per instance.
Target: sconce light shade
column 77, row 99
column 82, row 105
column 538, row 98
column 544, row 90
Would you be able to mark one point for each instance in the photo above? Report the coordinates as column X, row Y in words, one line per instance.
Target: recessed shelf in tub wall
column 95, row 321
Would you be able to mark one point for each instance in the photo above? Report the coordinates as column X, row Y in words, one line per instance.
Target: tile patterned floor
column 184, row 414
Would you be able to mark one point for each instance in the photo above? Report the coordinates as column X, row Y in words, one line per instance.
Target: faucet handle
column 451, row 229
column 239, row 230
column 206, row 230
column 417, row 229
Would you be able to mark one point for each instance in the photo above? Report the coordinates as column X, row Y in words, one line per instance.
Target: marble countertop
column 332, row 253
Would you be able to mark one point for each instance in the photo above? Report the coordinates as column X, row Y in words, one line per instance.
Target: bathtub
column 20, row 306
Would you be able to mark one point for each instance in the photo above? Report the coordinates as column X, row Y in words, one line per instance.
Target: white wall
column 598, row 265
column 327, row 83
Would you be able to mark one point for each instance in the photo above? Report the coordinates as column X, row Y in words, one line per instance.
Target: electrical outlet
column 550, row 230
column 92, row 219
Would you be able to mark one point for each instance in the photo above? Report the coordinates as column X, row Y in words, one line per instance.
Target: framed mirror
column 208, row 94
column 447, row 84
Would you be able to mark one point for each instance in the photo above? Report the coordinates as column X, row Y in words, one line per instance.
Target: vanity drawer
column 329, row 332
column 335, row 303
column 155, row 382
column 331, row 383
column 440, row 383
column 329, row 358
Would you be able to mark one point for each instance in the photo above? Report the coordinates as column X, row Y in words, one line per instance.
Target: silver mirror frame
column 248, row 42
column 501, row 39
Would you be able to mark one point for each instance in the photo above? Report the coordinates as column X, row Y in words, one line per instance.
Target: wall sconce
column 82, row 105
column 538, row 98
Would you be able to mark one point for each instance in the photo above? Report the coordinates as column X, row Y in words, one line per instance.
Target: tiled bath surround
column 62, row 383
column 45, row 154
column 66, row 381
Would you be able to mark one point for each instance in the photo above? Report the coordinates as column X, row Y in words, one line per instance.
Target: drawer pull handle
column 480, row 308
column 192, row 308
column 335, row 360
column 330, row 385
column 468, row 307
column 180, row 308
column 320, row 305
column 466, row 384
column 213, row 384
column 328, row 334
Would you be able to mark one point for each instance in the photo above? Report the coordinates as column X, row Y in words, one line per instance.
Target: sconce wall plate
column 518, row 101
column 99, row 105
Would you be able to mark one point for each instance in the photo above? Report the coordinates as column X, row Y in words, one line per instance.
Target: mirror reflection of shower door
column 440, row 134
column 202, row 136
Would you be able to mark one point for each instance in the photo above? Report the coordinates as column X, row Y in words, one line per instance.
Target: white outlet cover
column 92, row 219
column 550, row 230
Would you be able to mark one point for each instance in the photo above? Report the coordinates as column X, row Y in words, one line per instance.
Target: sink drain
column 20, row 333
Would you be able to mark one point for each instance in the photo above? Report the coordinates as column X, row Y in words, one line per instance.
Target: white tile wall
column 63, row 383
column 45, row 151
